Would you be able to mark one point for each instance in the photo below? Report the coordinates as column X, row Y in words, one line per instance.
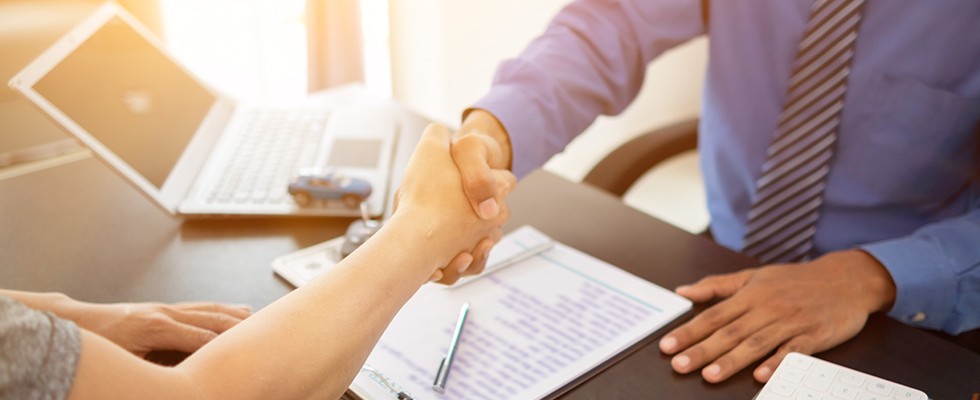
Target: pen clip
column 384, row 381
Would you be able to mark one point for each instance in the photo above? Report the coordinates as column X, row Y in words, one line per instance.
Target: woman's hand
column 144, row 327
column 141, row 327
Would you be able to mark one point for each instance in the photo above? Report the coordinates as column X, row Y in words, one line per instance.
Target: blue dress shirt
column 904, row 183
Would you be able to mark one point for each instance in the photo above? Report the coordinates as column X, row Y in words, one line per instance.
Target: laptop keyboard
column 273, row 146
column 802, row 377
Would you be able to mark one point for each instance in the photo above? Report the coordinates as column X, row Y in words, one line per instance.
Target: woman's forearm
column 54, row 302
column 318, row 336
column 308, row 344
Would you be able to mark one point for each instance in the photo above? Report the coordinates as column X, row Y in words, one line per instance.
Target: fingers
column 432, row 148
column 172, row 335
column 436, row 276
column 725, row 339
column 505, row 183
column 213, row 321
column 708, row 321
column 240, row 311
column 451, row 273
column 436, row 135
column 748, row 350
column 467, row 263
column 801, row 344
column 482, row 252
column 715, row 286
column 186, row 326
column 697, row 329
column 472, row 156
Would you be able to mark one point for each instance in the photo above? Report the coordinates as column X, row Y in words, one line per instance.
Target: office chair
column 618, row 170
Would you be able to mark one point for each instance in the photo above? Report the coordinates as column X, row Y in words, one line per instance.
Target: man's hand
column 807, row 308
column 480, row 146
column 144, row 327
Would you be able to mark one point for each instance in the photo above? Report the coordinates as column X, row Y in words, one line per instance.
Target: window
column 249, row 49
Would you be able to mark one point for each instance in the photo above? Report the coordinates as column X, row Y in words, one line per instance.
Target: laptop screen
column 131, row 97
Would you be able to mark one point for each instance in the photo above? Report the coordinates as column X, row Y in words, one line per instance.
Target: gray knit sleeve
column 38, row 353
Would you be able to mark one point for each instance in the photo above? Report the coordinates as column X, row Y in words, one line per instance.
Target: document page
column 532, row 328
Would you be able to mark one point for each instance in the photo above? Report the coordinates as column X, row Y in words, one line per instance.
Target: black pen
column 447, row 362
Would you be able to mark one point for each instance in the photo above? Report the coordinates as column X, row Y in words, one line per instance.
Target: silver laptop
column 110, row 84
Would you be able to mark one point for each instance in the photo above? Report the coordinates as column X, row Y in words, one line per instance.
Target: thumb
column 715, row 286
column 471, row 154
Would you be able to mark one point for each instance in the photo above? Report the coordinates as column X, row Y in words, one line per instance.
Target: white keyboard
column 274, row 145
column 802, row 377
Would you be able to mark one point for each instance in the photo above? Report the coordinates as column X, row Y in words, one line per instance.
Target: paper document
column 532, row 328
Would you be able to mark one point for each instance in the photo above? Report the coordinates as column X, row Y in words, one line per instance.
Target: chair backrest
column 616, row 172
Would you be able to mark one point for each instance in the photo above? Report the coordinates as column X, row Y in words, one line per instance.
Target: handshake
column 455, row 187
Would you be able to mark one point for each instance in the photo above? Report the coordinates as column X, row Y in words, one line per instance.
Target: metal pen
column 447, row 362
column 513, row 259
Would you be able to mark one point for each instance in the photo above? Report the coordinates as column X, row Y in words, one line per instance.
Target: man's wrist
column 480, row 121
column 876, row 282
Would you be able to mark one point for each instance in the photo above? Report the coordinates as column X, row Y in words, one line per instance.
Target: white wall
column 444, row 54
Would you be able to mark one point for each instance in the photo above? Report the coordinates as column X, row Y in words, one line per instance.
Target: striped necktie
column 789, row 193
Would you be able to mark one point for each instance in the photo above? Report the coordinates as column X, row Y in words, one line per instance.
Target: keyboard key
column 879, row 387
column 852, row 379
column 793, row 375
column 821, row 377
column 782, row 388
column 802, row 363
column 844, row 392
column 903, row 393
column 771, row 396
column 809, row 394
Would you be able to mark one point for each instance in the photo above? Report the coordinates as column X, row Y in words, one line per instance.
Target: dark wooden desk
column 81, row 230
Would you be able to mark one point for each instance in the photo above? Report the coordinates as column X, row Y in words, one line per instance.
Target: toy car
column 330, row 186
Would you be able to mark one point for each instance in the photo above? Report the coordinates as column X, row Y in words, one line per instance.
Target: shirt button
column 918, row 317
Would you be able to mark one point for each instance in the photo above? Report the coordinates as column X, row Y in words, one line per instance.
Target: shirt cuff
column 925, row 293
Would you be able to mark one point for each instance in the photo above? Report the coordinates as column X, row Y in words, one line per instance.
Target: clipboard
column 533, row 328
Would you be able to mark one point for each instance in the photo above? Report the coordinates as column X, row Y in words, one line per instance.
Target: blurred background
column 434, row 56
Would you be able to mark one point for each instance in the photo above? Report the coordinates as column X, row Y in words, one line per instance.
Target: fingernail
column 681, row 362
column 668, row 344
column 464, row 266
column 436, row 276
column 489, row 208
column 763, row 373
column 712, row 370
column 682, row 288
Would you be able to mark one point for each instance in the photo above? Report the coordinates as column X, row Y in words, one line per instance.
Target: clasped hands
column 764, row 313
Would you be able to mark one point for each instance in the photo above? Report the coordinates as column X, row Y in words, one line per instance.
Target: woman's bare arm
column 312, row 342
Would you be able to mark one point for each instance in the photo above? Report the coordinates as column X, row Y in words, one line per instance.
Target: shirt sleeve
column 39, row 353
column 591, row 60
column 936, row 271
